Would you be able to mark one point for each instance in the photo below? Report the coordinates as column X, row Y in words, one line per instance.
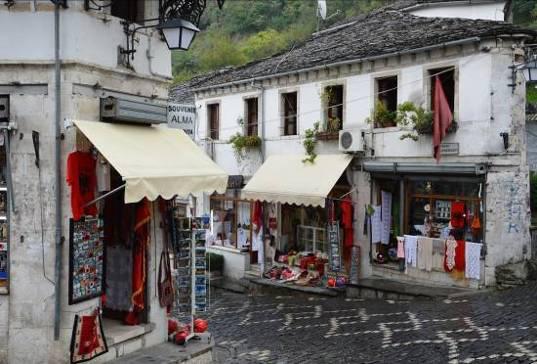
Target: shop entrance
column 126, row 241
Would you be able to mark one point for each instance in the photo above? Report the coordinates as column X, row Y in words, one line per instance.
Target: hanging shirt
column 82, row 179
column 346, row 221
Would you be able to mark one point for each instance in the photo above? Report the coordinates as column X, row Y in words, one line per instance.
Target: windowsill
column 116, row 332
column 289, row 137
column 227, row 249
column 389, row 129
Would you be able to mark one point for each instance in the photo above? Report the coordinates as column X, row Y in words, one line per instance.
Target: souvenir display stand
column 191, row 277
column 4, row 265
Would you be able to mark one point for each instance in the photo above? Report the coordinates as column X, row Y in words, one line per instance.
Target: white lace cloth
column 411, row 250
column 473, row 260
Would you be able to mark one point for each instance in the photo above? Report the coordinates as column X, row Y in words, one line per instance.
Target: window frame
column 326, row 106
column 283, row 117
column 377, row 90
column 429, row 88
column 213, row 133
column 223, row 198
column 249, row 129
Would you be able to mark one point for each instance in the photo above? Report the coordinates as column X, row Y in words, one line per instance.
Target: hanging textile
column 411, row 250
column 87, row 340
column 81, row 176
column 425, row 253
column 346, row 221
column 460, row 256
column 386, row 211
column 141, row 229
column 442, row 117
column 376, row 225
column 473, row 260
column 118, row 278
column 400, row 247
column 449, row 261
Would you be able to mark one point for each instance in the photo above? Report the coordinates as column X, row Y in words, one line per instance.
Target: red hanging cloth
column 141, row 230
column 82, row 177
column 442, row 117
column 346, row 221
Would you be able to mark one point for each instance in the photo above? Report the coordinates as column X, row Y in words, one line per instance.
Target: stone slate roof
column 183, row 94
column 404, row 4
column 375, row 34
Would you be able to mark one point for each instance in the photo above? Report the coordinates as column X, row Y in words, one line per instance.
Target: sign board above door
column 182, row 116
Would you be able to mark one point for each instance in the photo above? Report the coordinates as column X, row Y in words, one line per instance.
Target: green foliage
column 242, row 142
column 310, row 141
column 525, row 13
column 531, row 93
column 246, row 30
column 214, row 262
column 419, row 119
column 381, row 116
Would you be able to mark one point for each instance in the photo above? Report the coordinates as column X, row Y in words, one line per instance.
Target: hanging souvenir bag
column 165, row 283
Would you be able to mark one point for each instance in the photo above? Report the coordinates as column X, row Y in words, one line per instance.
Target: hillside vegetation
column 246, row 30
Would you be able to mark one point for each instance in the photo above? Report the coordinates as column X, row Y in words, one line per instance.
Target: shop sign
column 334, row 244
column 235, row 181
column 181, row 116
column 449, row 148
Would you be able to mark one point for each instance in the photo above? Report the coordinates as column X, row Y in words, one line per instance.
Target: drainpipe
column 58, row 189
column 263, row 149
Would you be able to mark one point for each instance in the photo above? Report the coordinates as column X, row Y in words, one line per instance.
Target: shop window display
column 231, row 221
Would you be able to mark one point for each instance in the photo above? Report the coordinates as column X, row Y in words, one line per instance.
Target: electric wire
column 369, row 96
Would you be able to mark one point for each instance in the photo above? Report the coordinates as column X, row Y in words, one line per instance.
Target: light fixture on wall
column 178, row 34
column 529, row 70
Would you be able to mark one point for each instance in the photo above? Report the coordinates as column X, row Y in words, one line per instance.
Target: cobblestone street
column 493, row 327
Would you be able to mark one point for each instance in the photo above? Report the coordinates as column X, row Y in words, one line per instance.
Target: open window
column 129, row 10
column 290, row 114
column 213, row 121
column 387, row 92
column 251, row 121
column 447, row 79
column 333, row 103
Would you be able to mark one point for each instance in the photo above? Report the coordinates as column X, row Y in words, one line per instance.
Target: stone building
column 96, row 62
column 341, row 74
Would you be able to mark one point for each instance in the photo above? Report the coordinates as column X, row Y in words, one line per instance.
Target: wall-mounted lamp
column 505, row 137
column 178, row 34
column 529, row 70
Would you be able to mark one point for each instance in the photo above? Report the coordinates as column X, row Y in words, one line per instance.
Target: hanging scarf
column 141, row 230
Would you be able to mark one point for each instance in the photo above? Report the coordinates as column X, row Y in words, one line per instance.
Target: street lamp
column 529, row 70
column 178, row 33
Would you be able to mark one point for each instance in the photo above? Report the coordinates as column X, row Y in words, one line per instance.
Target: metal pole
column 58, row 189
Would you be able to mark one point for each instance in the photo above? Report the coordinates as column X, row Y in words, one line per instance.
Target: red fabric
column 346, row 221
column 257, row 218
column 306, row 261
column 460, row 259
column 141, row 230
column 82, row 178
column 458, row 210
column 88, row 335
column 442, row 117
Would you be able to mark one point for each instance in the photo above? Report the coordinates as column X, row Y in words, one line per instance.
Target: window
column 387, row 92
column 231, row 221
column 130, row 10
column 447, row 78
column 213, row 114
column 251, row 116
column 289, row 102
column 333, row 100
column 313, row 239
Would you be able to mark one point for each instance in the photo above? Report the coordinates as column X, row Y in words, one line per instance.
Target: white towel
column 411, row 247
column 425, row 253
column 473, row 260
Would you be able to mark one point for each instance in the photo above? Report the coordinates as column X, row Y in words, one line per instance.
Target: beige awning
column 286, row 179
column 155, row 160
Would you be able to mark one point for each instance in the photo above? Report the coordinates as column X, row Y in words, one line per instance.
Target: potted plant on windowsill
column 241, row 143
column 382, row 117
column 331, row 130
column 419, row 120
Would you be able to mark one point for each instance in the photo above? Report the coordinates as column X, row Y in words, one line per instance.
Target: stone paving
column 492, row 327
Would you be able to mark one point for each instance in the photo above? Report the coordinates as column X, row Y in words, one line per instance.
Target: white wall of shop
column 488, row 11
column 28, row 36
